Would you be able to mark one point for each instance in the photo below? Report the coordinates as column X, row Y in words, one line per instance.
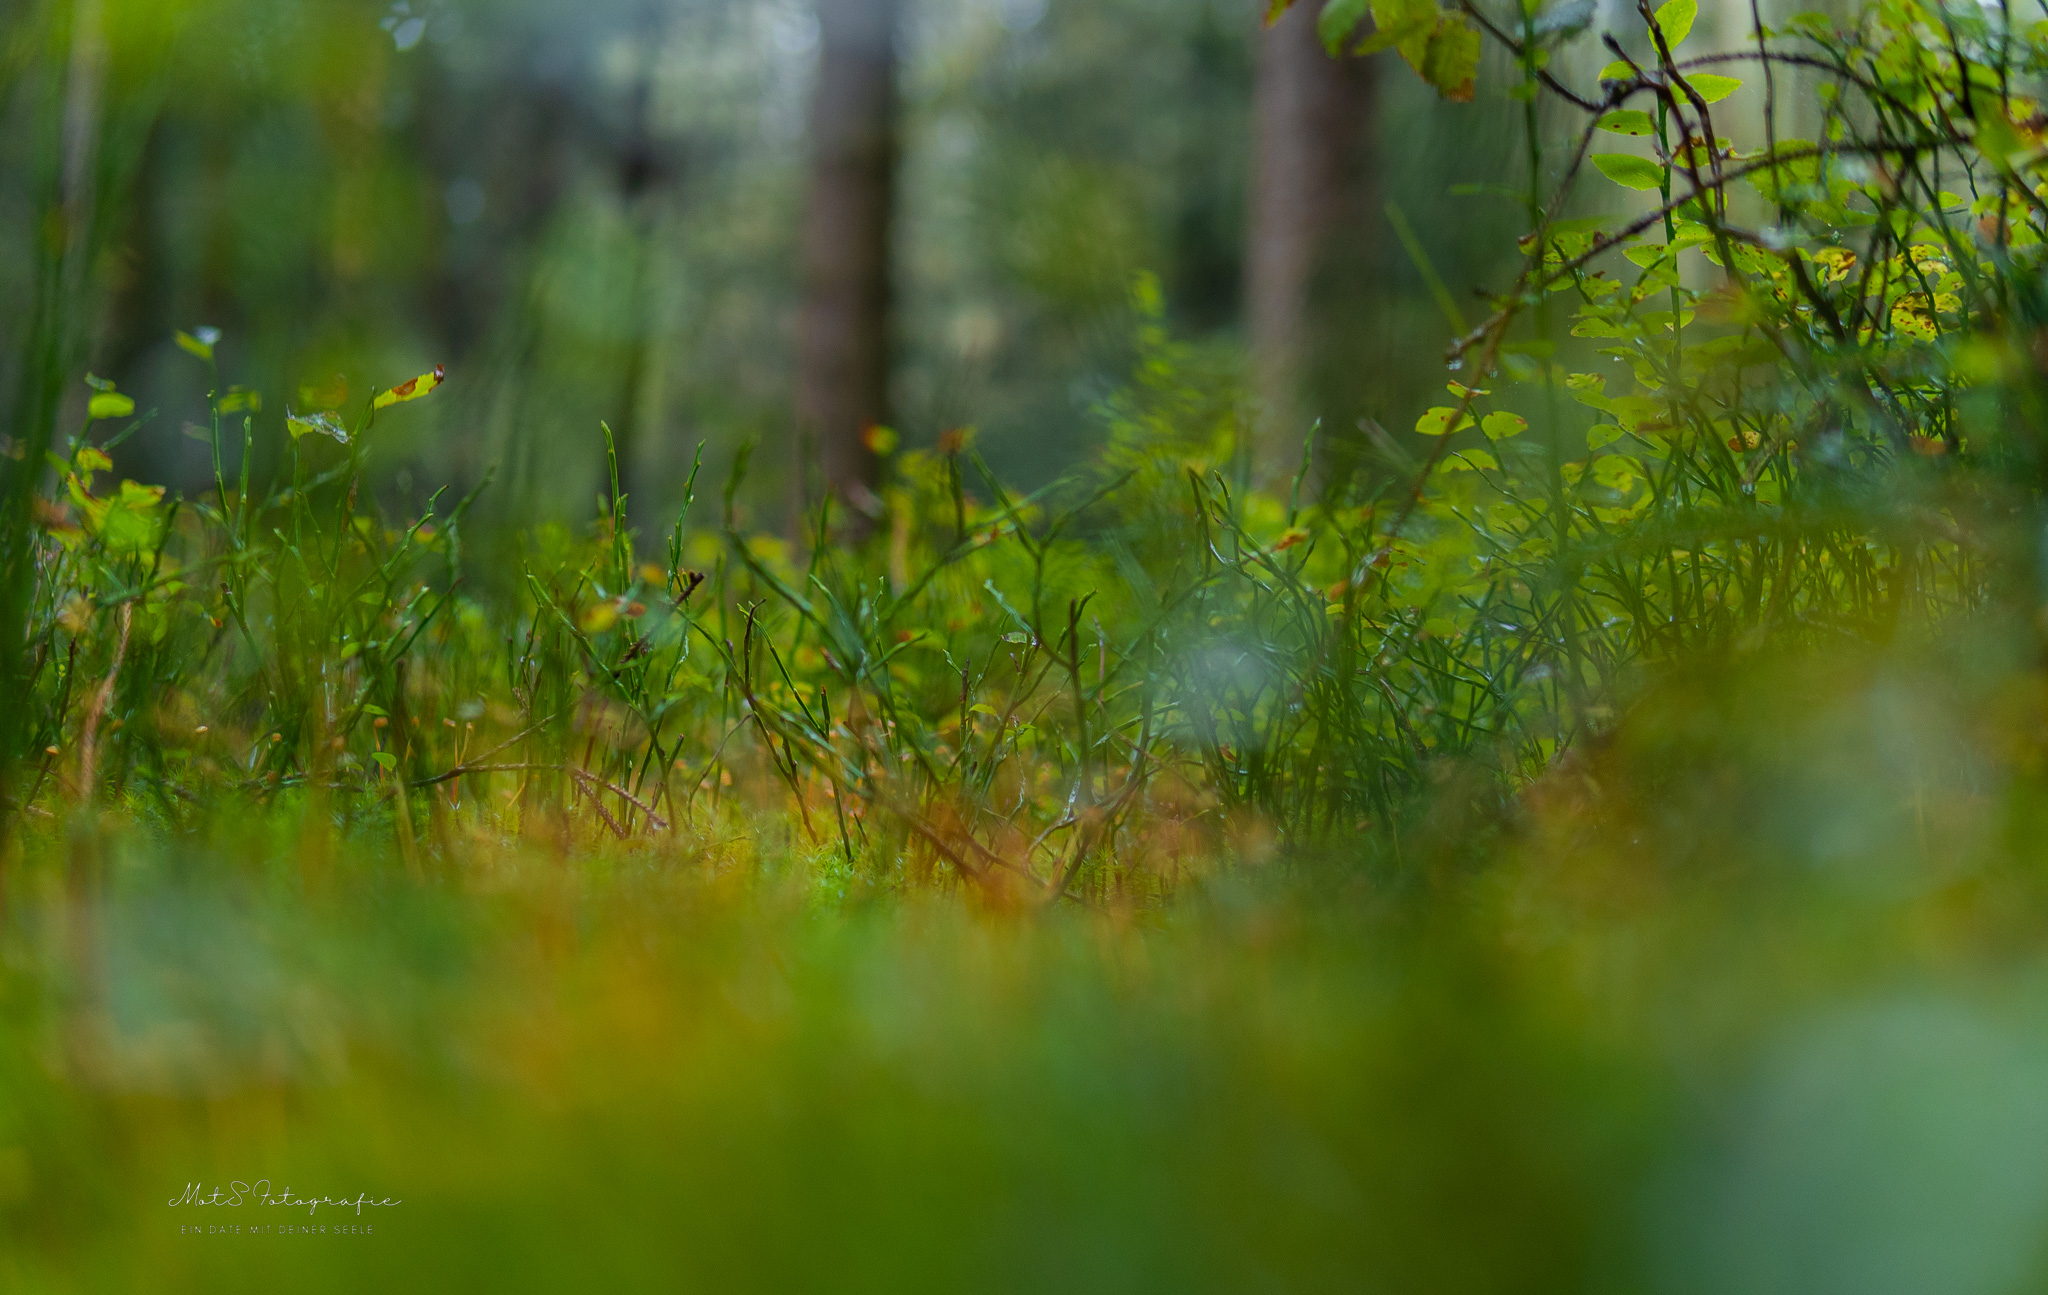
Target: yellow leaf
column 1835, row 260
column 412, row 388
column 1912, row 323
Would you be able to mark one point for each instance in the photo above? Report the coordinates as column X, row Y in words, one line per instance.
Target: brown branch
column 1608, row 242
column 1514, row 46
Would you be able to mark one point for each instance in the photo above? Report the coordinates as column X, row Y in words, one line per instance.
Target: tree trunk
column 843, row 343
column 642, row 174
column 1311, row 208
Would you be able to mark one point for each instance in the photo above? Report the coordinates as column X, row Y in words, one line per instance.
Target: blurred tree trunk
column 643, row 173
column 68, row 98
column 843, row 343
column 1313, row 186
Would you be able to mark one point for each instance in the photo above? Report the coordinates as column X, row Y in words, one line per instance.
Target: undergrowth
column 1810, row 425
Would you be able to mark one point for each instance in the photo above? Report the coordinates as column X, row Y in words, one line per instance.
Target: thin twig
column 88, row 742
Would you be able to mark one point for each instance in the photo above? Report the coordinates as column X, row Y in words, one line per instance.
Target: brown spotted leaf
column 413, row 388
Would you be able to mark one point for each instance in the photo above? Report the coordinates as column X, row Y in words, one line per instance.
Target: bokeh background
column 594, row 210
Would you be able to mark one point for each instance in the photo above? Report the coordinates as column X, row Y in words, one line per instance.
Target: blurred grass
column 1743, row 998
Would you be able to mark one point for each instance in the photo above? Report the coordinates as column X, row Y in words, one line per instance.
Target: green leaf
column 1386, row 37
column 199, row 342
column 109, row 404
column 1674, row 18
column 1339, row 19
column 1661, row 319
column 1996, row 139
column 1617, row 71
column 1634, row 411
column 1628, row 121
column 1500, row 425
column 1452, row 59
column 385, row 758
column 128, row 523
column 1589, row 389
column 1600, row 434
column 1714, row 88
column 1616, row 472
column 1437, row 422
column 1630, row 171
column 1470, row 460
column 1407, row 25
column 1692, row 234
column 1442, row 47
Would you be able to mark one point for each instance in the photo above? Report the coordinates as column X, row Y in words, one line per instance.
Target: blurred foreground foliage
column 1745, row 998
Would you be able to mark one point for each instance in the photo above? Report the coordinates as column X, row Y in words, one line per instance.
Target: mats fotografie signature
column 236, row 1194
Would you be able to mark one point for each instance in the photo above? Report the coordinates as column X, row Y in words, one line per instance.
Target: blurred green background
column 592, row 210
